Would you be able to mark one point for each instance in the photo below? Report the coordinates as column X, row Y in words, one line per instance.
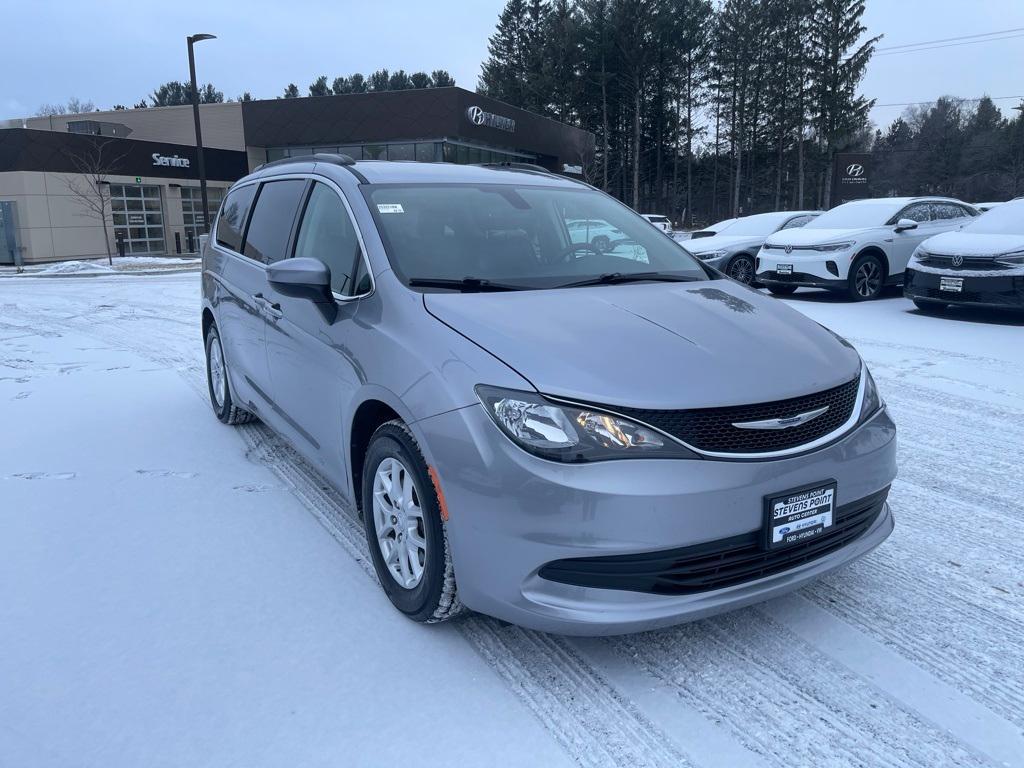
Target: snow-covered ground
column 174, row 592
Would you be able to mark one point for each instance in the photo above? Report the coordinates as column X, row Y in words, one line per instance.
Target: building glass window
column 192, row 211
column 425, row 152
column 355, row 151
column 138, row 215
column 401, row 152
column 375, row 152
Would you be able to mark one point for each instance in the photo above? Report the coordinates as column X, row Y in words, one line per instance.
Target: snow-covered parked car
column 712, row 230
column 658, row 220
column 733, row 248
column 859, row 247
column 981, row 264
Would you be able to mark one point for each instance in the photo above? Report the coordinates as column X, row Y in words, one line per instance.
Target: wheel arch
column 872, row 250
column 368, row 416
column 208, row 321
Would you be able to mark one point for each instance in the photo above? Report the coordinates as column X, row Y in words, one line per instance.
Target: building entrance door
column 9, row 253
column 139, row 216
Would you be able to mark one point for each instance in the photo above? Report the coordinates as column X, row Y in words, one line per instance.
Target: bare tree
column 75, row 106
column 93, row 164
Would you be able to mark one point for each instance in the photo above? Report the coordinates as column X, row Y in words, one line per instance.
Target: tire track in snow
column 785, row 700
column 595, row 725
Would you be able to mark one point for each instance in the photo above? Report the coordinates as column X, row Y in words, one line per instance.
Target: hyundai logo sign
column 856, row 170
column 478, row 116
column 174, row 161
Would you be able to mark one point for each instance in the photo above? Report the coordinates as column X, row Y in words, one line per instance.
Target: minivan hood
column 652, row 345
column 973, row 244
column 805, row 236
column 724, row 243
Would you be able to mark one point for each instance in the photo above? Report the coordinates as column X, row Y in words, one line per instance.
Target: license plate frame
column 784, row 269
column 951, row 284
column 799, row 515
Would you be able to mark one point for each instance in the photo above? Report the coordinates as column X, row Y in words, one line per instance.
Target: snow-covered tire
column 435, row 597
column 218, row 384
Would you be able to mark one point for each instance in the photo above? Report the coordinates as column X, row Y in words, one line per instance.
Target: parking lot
column 177, row 592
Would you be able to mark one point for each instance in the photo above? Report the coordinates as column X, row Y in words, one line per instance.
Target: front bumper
column 808, row 270
column 511, row 513
column 995, row 290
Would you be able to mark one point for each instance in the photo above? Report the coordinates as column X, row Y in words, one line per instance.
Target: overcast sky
column 117, row 51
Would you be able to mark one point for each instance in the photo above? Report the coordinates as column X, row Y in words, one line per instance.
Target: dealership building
column 144, row 160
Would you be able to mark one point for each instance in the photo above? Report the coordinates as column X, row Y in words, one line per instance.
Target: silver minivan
column 578, row 438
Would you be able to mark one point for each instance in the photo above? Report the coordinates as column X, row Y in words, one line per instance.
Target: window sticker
column 390, row 208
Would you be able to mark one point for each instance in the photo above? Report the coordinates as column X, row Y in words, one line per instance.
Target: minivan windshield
column 519, row 237
column 855, row 216
column 1005, row 219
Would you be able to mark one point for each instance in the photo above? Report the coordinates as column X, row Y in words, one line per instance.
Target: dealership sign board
column 851, row 179
column 478, row 116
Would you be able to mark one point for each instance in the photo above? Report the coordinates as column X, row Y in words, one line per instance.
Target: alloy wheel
column 741, row 270
column 398, row 522
column 868, row 279
column 218, row 377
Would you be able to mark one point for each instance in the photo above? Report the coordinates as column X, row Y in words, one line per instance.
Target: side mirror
column 904, row 224
column 304, row 278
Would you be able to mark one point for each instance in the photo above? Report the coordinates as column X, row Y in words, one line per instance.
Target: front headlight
column 573, row 434
column 872, row 402
column 919, row 254
column 830, row 247
column 1014, row 259
column 712, row 255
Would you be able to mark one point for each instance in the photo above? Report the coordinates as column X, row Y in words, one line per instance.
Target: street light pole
column 192, row 40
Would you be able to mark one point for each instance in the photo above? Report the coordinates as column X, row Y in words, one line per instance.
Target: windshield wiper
column 466, row 284
column 610, row 278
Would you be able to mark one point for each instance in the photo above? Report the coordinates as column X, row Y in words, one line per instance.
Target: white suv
column 661, row 222
column 858, row 247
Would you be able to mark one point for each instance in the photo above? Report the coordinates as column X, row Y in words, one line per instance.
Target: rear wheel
column 930, row 307
column 782, row 290
column 406, row 536
column 741, row 269
column 867, row 278
column 217, row 382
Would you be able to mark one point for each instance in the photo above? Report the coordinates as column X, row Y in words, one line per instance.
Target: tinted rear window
column 272, row 219
column 231, row 221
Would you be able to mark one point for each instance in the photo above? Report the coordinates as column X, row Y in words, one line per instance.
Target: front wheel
column 741, row 269
column 867, row 278
column 404, row 531
column 782, row 290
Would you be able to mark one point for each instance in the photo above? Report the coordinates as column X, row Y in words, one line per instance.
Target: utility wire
column 949, row 45
column 935, row 101
column 950, row 39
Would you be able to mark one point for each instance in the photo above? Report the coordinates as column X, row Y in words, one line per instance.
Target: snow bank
column 74, row 267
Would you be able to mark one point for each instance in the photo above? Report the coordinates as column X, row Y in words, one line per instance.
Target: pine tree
column 319, row 87
column 838, row 64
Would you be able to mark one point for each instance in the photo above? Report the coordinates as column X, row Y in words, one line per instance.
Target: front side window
column 231, row 222
column 272, row 218
column 328, row 234
column 918, row 213
column 797, row 221
column 527, row 236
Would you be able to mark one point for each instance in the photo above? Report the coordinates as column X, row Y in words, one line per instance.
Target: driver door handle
column 272, row 309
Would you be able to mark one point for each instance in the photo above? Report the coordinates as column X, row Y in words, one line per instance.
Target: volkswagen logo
column 475, row 115
column 958, row 261
column 855, row 170
column 789, row 249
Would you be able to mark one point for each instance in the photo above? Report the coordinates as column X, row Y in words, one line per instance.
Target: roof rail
column 518, row 167
column 320, row 157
